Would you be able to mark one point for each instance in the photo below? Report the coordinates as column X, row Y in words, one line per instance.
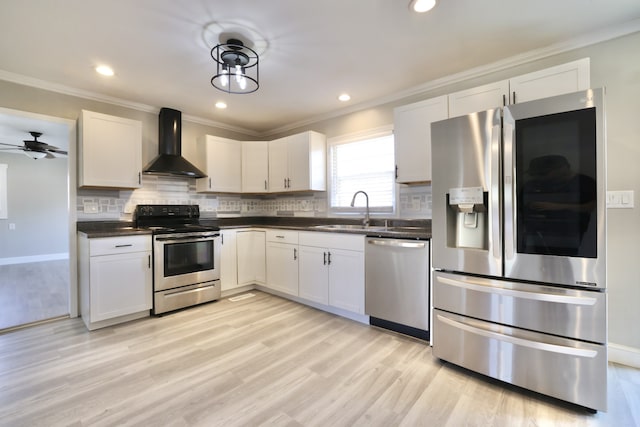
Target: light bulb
column 224, row 79
column 238, row 73
column 242, row 82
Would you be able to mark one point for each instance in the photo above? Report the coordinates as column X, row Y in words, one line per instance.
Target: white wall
column 37, row 207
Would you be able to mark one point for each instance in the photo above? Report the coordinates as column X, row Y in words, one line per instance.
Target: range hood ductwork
column 169, row 160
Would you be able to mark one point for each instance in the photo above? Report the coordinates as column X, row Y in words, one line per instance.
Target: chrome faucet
column 365, row 221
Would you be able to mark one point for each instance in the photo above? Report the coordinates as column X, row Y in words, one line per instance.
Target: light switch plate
column 90, row 207
column 620, row 199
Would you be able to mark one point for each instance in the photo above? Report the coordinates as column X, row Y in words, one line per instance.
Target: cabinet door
column 278, row 164
column 282, row 267
column 255, row 166
column 346, row 280
column 110, row 151
column 120, row 284
column 479, row 98
column 251, row 257
column 307, row 162
column 314, row 277
column 565, row 78
column 223, row 165
column 412, row 138
column 228, row 260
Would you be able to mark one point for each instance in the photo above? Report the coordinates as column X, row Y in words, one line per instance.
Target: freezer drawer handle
column 535, row 296
column 536, row 345
column 396, row 243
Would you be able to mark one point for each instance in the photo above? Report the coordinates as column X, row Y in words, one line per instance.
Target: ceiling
column 372, row 49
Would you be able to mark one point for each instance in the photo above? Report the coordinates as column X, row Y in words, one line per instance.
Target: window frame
column 358, row 210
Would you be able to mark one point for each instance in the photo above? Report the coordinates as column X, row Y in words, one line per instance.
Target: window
column 362, row 162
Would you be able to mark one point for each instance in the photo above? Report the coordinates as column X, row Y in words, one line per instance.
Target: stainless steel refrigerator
column 519, row 245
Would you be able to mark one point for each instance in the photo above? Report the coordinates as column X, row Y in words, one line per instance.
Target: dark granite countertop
column 395, row 228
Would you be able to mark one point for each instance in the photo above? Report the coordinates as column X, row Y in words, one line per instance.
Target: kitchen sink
column 358, row 227
column 348, row 227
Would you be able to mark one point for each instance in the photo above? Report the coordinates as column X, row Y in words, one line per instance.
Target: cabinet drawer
column 119, row 245
column 347, row 242
column 282, row 236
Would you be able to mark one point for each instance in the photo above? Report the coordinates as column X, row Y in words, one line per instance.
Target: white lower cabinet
column 331, row 270
column 115, row 279
column 251, row 257
column 282, row 261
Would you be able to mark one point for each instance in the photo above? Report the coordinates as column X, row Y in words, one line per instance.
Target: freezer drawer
column 560, row 311
column 566, row 369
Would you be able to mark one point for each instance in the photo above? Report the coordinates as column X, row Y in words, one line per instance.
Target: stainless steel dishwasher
column 397, row 285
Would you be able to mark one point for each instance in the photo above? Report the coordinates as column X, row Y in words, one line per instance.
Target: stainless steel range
column 186, row 256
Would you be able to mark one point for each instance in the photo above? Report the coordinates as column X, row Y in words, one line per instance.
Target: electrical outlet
column 12, row 226
column 90, row 207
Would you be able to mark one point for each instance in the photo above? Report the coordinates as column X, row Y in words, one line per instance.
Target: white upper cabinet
column 412, row 138
column 565, row 78
column 298, row 163
column 110, row 151
column 223, row 167
column 479, row 98
column 255, row 166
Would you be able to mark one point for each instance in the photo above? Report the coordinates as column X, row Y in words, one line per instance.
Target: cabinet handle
column 504, row 100
column 265, row 184
column 514, row 96
column 325, row 258
column 288, row 183
column 295, row 254
column 222, row 239
column 209, row 183
column 396, row 171
column 285, row 183
column 328, row 258
column 279, row 237
column 124, row 246
column 149, row 262
column 140, row 178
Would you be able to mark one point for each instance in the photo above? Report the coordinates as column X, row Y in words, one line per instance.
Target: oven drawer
column 570, row 370
column 119, row 245
column 186, row 296
column 559, row 311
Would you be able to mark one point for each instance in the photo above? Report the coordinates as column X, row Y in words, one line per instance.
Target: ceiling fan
column 36, row 149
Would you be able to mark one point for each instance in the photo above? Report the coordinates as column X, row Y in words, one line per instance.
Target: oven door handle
column 184, row 238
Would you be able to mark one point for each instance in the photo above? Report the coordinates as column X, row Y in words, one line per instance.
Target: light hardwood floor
column 263, row 361
column 33, row 292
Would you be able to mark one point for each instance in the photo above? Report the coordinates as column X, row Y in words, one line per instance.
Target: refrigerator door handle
column 495, row 191
column 509, row 205
column 537, row 345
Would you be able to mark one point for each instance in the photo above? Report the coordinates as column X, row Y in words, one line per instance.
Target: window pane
column 366, row 165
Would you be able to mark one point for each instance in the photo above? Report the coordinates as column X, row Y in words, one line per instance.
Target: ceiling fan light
column 35, row 154
column 421, row 6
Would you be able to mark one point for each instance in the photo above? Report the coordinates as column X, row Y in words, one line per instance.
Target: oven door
column 554, row 190
column 185, row 259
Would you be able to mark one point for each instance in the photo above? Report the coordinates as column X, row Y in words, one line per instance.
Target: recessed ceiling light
column 104, row 70
column 344, row 97
column 421, row 6
column 221, row 105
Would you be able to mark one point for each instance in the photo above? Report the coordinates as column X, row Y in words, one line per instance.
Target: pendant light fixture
column 236, row 67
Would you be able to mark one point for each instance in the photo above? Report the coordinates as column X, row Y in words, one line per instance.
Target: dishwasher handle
column 397, row 243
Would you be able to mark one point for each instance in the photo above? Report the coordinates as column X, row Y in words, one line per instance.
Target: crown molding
column 94, row 96
column 594, row 37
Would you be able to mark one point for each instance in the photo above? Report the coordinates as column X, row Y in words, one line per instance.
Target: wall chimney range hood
column 169, row 160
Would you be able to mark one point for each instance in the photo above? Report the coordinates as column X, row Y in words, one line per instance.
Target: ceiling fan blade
column 62, row 152
column 10, row 145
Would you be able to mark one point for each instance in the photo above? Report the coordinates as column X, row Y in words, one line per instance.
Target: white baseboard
column 34, row 258
column 624, row 355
